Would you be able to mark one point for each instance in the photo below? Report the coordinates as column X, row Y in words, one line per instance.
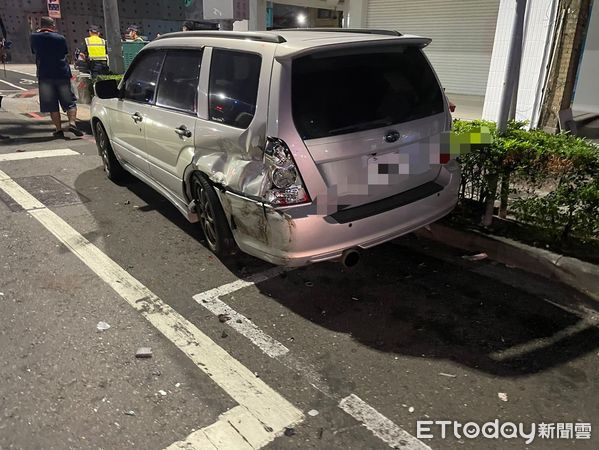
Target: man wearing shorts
column 54, row 76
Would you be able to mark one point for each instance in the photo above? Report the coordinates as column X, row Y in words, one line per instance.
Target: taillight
column 286, row 185
column 444, row 158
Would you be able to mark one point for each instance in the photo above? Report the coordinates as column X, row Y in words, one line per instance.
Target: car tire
column 211, row 216
column 112, row 166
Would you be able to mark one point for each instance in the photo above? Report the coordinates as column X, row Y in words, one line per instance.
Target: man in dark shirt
column 54, row 76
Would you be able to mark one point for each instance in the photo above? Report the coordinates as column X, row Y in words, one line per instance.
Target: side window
column 140, row 85
column 178, row 85
column 233, row 87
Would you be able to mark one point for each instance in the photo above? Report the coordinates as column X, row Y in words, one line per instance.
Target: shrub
column 553, row 177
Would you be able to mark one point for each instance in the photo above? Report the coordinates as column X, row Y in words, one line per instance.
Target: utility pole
column 113, row 36
column 512, row 72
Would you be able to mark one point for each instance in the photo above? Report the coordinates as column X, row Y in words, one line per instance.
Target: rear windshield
column 337, row 92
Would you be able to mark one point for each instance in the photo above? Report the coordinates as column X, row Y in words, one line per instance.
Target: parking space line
column 210, row 300
column 383, row 428
column 37, row 154
column 380, row 426
column 534, row 345
column 267, row 407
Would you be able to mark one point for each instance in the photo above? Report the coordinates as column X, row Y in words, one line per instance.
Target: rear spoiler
column 412, row 41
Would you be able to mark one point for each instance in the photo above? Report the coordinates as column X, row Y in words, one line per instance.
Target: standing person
column 94, row 52
column 54, row 76
column 132, row 35
column 188, row 25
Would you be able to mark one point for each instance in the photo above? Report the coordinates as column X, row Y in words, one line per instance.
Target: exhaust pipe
column 350, row 257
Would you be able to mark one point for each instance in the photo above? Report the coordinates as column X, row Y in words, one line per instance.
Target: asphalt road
column 12, row 82
column 415, row 332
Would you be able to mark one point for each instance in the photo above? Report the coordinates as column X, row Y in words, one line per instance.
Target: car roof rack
column 347, row 30
column 251, row 35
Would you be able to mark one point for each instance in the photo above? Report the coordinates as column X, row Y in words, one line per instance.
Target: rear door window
column 140, row 85
column 178, row 85
column 339, row 92
column 233, row 87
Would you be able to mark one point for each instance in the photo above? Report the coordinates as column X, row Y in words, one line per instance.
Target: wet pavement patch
column 48, row 190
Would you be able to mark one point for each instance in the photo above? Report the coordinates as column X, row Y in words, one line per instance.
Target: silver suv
column 297, row 146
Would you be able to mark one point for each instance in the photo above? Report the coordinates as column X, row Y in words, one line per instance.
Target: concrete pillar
column 355, row 13
column 257, row 19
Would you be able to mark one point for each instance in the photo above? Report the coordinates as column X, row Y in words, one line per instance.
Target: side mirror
column 106, row 89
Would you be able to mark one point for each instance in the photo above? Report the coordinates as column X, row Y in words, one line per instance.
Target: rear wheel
column 211, row 216
column 112, row 167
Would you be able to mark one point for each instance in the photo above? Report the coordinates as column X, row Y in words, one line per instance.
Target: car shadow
column 401, row 299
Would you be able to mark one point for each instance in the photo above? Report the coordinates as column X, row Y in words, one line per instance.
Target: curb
column 582, row 276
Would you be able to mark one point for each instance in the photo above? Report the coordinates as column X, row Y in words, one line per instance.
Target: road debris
column 309, row 284
column 102, row 326
column 320, row 432
column 126, row 202
column 177, row 384
column 162, row 392
column 289, row 431
column 130, row 413
column 313, row 413
column 450, row 375
column 224, row 334
column 411, row 409
column 222, row 318
column 143, row 352
column 477, row 257
column 502, row 396
column 21, row 150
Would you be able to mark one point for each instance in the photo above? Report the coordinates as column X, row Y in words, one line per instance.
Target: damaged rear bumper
column 291, row 237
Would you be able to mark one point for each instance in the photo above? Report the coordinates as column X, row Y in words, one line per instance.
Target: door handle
column 183, row 131
column 137, row 117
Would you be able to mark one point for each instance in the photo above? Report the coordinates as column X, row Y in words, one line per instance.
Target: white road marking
column 263, row 404
column 545, row 342
column 37, row 154
column 380, row 426
column 210, row 300
column 12, row 85
column 24, row 72
column 270, row 346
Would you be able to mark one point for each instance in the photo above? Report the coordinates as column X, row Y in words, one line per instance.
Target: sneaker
column 58, row 134
column 76, row 131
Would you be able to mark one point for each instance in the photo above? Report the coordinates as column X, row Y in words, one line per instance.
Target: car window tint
column 338, row 92
column 233, row 87
column 140, row 84
column 178, row 84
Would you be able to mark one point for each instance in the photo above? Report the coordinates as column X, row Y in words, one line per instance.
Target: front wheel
column 211, row 216
column 112, row 166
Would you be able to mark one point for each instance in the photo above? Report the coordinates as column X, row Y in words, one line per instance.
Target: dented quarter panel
column 232, row 157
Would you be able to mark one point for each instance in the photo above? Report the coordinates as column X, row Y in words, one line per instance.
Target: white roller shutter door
column 462, row 32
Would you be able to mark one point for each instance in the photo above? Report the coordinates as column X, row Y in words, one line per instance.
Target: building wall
column 586, row 96
column 20, row 16
column 538, row 32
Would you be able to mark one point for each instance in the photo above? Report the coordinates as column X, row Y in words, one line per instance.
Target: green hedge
column 552, row 179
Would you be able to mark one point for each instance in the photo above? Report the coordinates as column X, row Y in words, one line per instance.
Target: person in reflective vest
column 95, row 52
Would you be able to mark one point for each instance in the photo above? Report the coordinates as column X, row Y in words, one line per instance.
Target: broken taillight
column 285, row 183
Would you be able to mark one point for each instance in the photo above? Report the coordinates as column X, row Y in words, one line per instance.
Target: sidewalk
column 28, row 101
